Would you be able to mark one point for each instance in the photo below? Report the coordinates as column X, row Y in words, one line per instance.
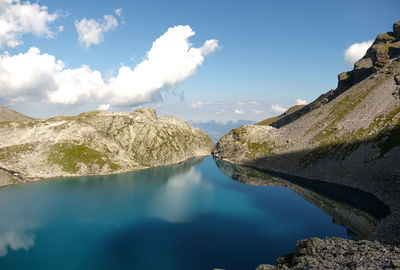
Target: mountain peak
column 7, row 114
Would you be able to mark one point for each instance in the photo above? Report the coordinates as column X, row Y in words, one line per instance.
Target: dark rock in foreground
column 337, row 253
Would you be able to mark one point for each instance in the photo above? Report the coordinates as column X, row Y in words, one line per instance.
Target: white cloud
column 171, row 60
column 91, row 32
column 356, row 51
column 103, row 107
column 278, row 108
column 29, row 75
column 75, row 86
column 118, row 12
column 301, row 101
column 33, row 75
column 199, row 104
column 238, row 111
column 17, row 19
column 255, row 111
column 250, row 103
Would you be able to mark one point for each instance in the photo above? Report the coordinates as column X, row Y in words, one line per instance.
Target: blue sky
column 268, row 55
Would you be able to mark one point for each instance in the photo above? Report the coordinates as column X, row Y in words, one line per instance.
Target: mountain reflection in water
column 186, row 216
column 354, row 209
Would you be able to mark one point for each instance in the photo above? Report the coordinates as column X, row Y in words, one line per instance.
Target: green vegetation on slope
column 69, row 156
column 7, row 153
column 382, row 132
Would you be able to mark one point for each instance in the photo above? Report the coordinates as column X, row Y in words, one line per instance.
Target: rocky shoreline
column 338, row 253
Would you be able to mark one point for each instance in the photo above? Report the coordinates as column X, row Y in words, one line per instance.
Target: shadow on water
column 354, row 209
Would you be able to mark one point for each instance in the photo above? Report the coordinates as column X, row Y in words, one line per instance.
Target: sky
column 198, row 60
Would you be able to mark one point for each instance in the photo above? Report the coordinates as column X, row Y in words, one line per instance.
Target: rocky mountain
column 6, row 114
column 350, row 135
column 96, row 142
column 216, row 130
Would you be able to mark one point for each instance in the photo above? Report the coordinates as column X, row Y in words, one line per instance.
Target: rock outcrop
column 350, row 136
column 96, row 142
column 336, row 253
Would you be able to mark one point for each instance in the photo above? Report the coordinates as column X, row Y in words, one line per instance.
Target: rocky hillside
column 96, row 142
column 350, row 135
column 7, row 114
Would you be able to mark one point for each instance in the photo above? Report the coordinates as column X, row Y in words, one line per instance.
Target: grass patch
column 258, row 150
column 69, row 156
column 10, row 152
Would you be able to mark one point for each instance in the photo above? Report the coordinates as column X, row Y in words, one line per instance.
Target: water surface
column 187, row 216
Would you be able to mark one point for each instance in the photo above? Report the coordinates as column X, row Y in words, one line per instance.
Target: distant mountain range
column 216, row 130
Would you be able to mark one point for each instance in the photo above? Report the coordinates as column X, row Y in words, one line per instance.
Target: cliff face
column 349, row 136
column 96, row 142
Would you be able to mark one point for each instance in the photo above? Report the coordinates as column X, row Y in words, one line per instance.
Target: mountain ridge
column 96, row 142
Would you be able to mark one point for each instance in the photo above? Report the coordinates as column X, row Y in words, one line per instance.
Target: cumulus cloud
column 255, row 111
column 171, row 60
column 238, row 111
column 18, row 18
column 278, row 108
column 91, row 32
column 356, row 51
column 301, row 102
column 29, row 75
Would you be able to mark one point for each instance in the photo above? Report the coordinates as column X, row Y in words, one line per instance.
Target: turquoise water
column 188, row 216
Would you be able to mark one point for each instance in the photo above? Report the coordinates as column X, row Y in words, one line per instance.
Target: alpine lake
column 201, row 214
